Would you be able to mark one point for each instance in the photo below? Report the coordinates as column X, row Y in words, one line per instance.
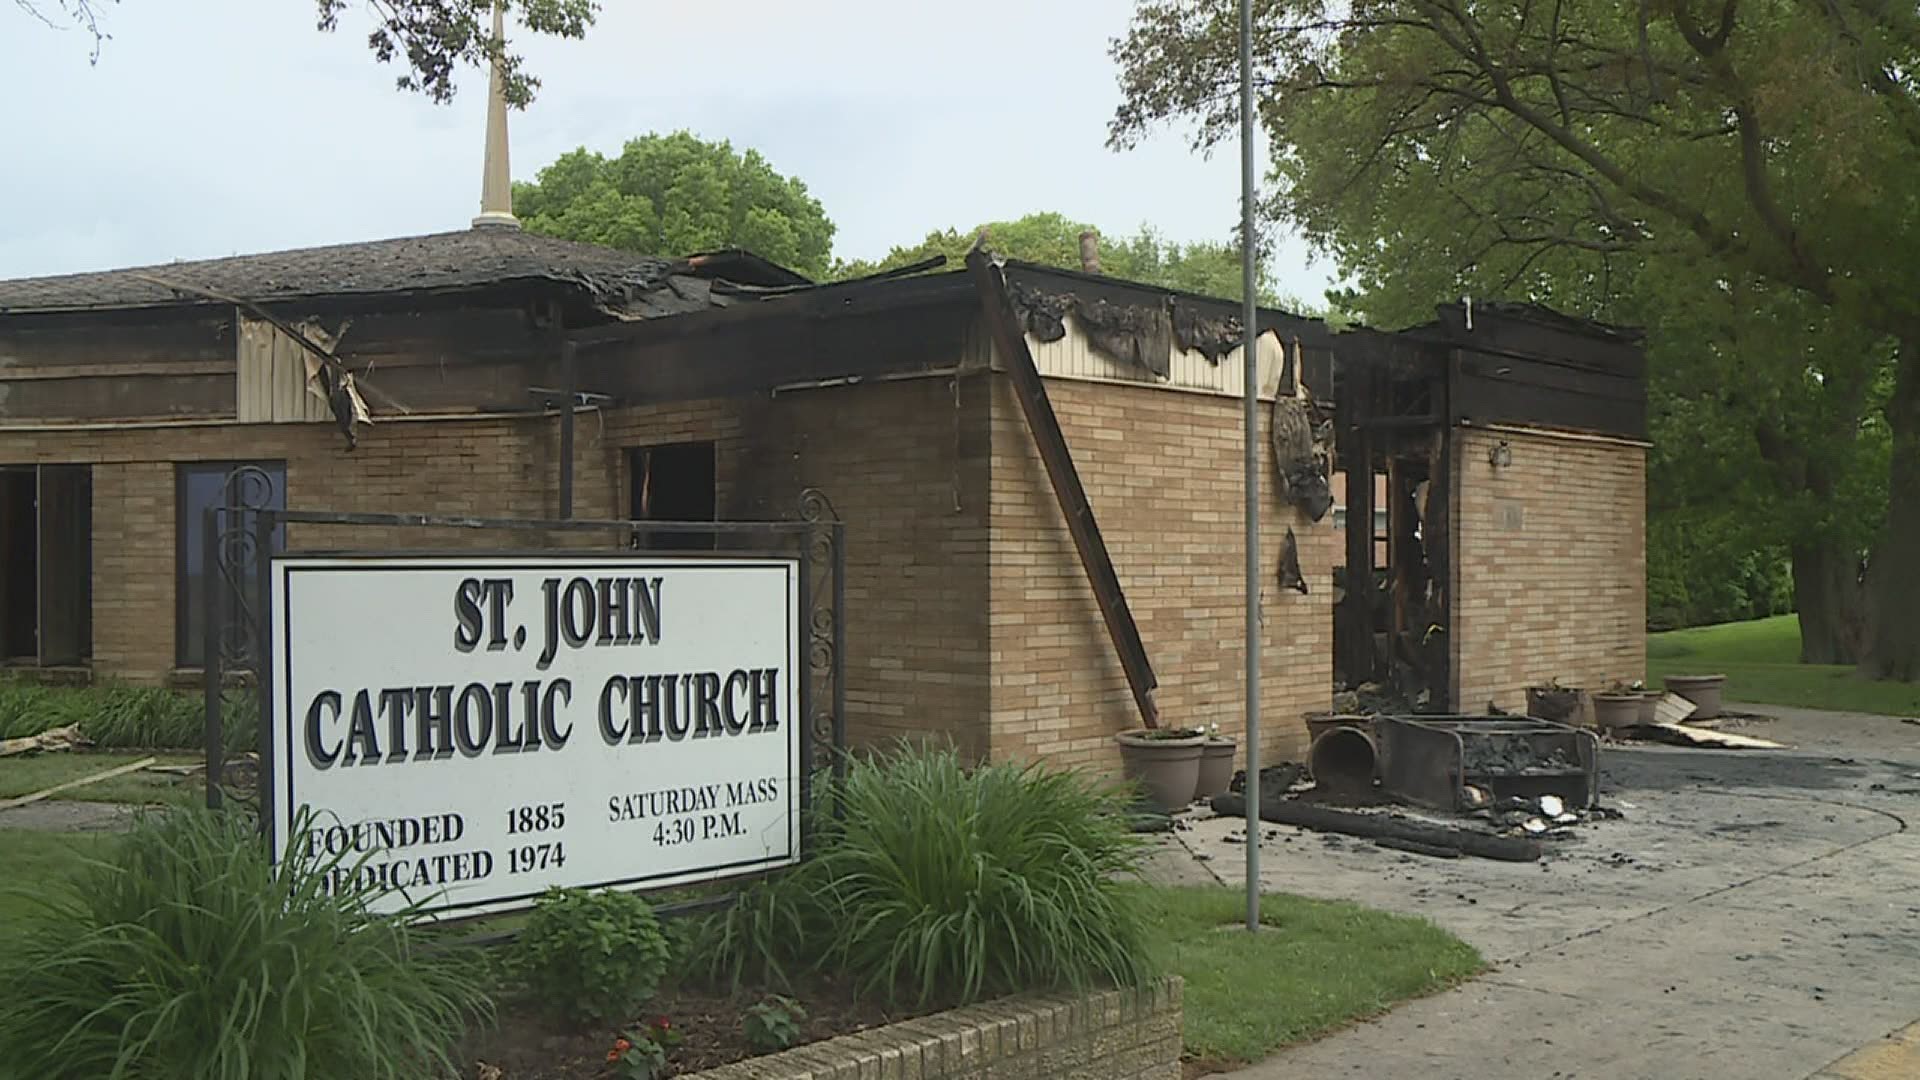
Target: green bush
column 939, row 880
column 597, row 955
column 185, row 953
column 128, row 717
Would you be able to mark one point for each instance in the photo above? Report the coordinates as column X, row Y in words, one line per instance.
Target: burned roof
column 620, row 283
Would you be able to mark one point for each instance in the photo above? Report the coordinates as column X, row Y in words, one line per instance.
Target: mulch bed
column 526, row 1043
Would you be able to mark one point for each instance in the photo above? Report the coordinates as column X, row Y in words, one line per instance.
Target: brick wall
column 1550, row 565
column 1113, row 1035
column 1163, row 471
column 904, row 465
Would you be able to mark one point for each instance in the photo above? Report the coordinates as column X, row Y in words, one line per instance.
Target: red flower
column 613, row 1055
column 661, row 1023
column 621, row 1046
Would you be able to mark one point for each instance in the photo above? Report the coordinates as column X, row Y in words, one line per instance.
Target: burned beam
column 1011, row 344
column 1381, row 826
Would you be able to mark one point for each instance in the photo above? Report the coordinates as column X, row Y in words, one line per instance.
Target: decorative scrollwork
column 824, row 672
column 816, row 508
column 246, row 491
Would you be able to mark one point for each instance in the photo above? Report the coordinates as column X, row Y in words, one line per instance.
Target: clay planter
column 1616, row 710
column 1165, row 763
column 1216, row 767
column 1558, row 704
column 1649, row 714
column 1702, row 690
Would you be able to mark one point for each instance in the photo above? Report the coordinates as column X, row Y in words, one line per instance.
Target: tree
column 1052, row 239
column 1765, row 145
column 673, row 195
column 432, row 37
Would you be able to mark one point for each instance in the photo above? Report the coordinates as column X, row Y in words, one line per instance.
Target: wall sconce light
column 1501, row 455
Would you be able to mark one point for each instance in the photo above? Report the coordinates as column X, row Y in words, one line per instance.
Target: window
column 46, row 565
column 673, row 482
column 200, row 487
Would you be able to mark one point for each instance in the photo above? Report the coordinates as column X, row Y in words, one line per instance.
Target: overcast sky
column 218, row 127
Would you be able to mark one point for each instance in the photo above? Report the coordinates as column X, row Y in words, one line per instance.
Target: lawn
column 25, row 775
column 1760, row 661
column 1315, row 966
column 36, row 860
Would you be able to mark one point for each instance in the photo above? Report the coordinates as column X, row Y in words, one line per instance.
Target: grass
column 36, row 861
column 25, row 775
column 1761, row 662
column 1315, row 966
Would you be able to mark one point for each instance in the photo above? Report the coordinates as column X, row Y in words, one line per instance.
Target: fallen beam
column 1701, row 738
column 1380, row 826
column 51, row 740
column 1010, row 342
column 8, row 804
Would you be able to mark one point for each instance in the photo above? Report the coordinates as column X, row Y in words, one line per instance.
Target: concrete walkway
column 1756, row 915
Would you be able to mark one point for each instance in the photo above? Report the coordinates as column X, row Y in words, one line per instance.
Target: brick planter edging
column 1106, row 1035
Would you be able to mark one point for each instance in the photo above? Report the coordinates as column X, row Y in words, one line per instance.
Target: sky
column 220, row 127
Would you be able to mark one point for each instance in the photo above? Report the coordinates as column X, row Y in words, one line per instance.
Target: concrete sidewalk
column 1755, row 916
column 1896, row 1057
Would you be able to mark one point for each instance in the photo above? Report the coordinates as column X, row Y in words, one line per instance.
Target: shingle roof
column 470, row 258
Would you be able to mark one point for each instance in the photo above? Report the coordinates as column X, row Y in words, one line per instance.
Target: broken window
column 202, row 486
column 46, row 565
column 674, row 482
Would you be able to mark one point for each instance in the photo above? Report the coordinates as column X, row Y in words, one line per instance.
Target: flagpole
column 1250, row 422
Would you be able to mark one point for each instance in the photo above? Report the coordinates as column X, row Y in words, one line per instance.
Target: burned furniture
column 1461, row 762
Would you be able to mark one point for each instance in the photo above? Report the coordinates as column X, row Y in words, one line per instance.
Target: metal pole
column 1250, row 416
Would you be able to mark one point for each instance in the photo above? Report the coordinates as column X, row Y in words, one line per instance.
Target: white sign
column 470, row 731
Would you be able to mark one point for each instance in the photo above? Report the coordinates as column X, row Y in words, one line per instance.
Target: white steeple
column 496, row 179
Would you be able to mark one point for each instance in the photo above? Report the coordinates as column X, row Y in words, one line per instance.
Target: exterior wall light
column 1500, row 455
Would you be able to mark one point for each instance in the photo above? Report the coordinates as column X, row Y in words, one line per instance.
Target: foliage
column 1051, row 239
column 642, row 1055
column 118, row 717
column 932, row 879
column 1314, row 966
column 184, row 952
column 677, row 195
column 1752, row 161
column 433, row 38
column 598, row 954
column 773, row 1023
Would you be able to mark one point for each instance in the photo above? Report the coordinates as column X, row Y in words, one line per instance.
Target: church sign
column 468, row 732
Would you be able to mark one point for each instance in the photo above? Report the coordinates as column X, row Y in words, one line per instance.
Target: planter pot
column 1344, row 760
column 1650, row 705
column 1702, row 690
column 1616, row 710
column 1558, row 704
column 1216, row 767
column 1168, row 769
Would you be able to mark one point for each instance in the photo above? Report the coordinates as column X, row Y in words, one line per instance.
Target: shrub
column 773, row 1023
column 127, row 717
column 185, row 953
column 937, row 879
column 593, row 954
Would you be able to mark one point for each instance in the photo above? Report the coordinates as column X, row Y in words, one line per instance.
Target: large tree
column 1053, row 239
column 432, row 38
column 673, row 195
column 1763, row 145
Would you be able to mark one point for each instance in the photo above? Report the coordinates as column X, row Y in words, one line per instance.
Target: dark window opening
column 199, row 487
column 674, row 482
column 46, row 565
